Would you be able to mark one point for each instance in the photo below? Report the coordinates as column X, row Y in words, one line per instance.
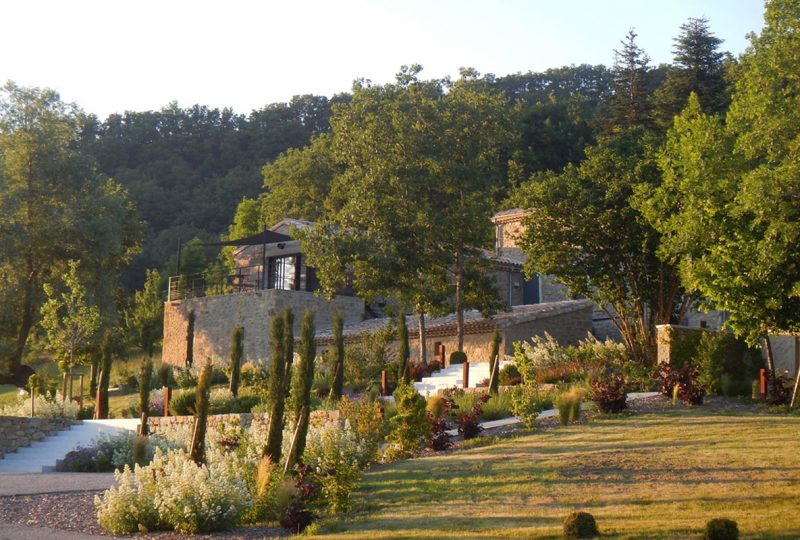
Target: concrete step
column 41, row 456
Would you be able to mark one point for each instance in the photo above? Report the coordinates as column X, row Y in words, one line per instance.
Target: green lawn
column 649, row 476
column 8, row 394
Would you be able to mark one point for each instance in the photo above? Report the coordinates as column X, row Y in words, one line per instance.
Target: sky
column 109, row 56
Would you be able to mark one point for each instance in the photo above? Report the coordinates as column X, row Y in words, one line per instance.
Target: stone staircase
column 453, row 376
column 41, row 456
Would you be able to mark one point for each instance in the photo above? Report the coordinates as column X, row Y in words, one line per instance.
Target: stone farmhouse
column 271, row 273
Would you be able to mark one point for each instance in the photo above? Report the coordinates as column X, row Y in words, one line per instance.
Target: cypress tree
column 198, row 449
column 288, row 346
column 237, row 348
column 190, row 340
column 494, row 358
column 405, row 351
column 338, row 355
column 145, row 374
column 301, row 387
column 276, row 391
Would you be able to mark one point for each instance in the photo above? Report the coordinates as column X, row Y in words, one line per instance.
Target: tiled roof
column 474, row 321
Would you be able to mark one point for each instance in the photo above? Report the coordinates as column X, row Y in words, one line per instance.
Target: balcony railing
column 210, row 283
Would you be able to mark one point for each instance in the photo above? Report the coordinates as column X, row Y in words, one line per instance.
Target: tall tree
column 237, row 347
column 69, row 318
column 338, row 355
column 276, row 391
column 584, row 231
column 699, row 67
column 404, row 373
column 630, row 105
column 54, row 206
column 423, row 162
column 301, row 387
column 144, row 320
column 731, row 211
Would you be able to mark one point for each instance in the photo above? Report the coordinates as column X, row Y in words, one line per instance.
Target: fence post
column 97, row 403
column 384, row 383
column 465, row 374
column 167, row 396
column 763, row 384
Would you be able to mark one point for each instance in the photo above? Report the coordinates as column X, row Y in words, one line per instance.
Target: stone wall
column 566, row 328
column 18, row 432
column 216, row 316
column 216, row 421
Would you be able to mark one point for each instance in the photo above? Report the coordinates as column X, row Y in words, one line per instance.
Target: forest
column 652, row 188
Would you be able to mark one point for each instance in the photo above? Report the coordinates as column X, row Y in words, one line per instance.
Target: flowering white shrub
column 44, row 407
column 334, row 452
column 173, row 492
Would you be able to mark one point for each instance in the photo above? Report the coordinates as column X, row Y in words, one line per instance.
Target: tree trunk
column 26, row 323
column 423, row 338
column 459, row 301
column 770, row 358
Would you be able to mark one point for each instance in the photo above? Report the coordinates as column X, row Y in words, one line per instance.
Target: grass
column 8, row 394
column 649, row 476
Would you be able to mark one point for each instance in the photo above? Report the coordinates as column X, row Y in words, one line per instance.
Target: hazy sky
column 116, row 55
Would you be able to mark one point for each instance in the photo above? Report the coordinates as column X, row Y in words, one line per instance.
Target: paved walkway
column 35, row 483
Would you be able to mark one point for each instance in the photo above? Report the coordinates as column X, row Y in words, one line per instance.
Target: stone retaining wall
column 18, row 432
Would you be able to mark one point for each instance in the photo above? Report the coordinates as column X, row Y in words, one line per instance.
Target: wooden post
column 167, row 396
column 441, row 356
column 143, row 424
column 465, row 374
column 384, row 383
column 80, row 387
column 763, row 384
column 97, row 403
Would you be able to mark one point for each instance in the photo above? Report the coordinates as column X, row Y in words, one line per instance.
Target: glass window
column 282, row 273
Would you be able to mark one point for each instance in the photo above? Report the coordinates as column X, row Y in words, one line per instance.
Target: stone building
column 271, row 273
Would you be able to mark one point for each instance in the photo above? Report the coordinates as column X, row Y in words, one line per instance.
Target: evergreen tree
column 145, row 320
column 301, row 387
column 699, row 67
column 198, row 449
column 190, row 339
column 237, row 346
column 630, row 104
column 338, row 355
column 288, row 347
column 276, row 389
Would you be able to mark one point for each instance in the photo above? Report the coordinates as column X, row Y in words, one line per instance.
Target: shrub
column 334, row 453
column 173, row 492
column 710, row 361
column 45, row 407
column 253, row 376
column 498, row 406
column 721, row 529
column 527, row 402
column 365, row 359
column 222, row 401
column 569, row 406
column 365, row 417
column 182, row 403
column 684, row 379
column 580, row 525
column 198, row 444
column 296, row 515
column 411, row 429
column 609, row 393
column 185, row 378
column 435, row 406
column 509, row 375
column 165, row 377
column 466, row 418
column 458, row 357
column 440, row 439
column 779, row 390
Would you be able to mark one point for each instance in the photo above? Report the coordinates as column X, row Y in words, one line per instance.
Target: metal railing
column 211, row 283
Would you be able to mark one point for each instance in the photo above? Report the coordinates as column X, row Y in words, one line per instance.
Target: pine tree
column 237, row 346
column 276, row 391
column 699, row 67
column 301, row 387
column 630, row 106
column 338, row 351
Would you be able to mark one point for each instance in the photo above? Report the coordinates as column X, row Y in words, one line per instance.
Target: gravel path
column 29, row 484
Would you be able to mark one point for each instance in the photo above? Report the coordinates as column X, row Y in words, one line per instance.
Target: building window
column 282, row 273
